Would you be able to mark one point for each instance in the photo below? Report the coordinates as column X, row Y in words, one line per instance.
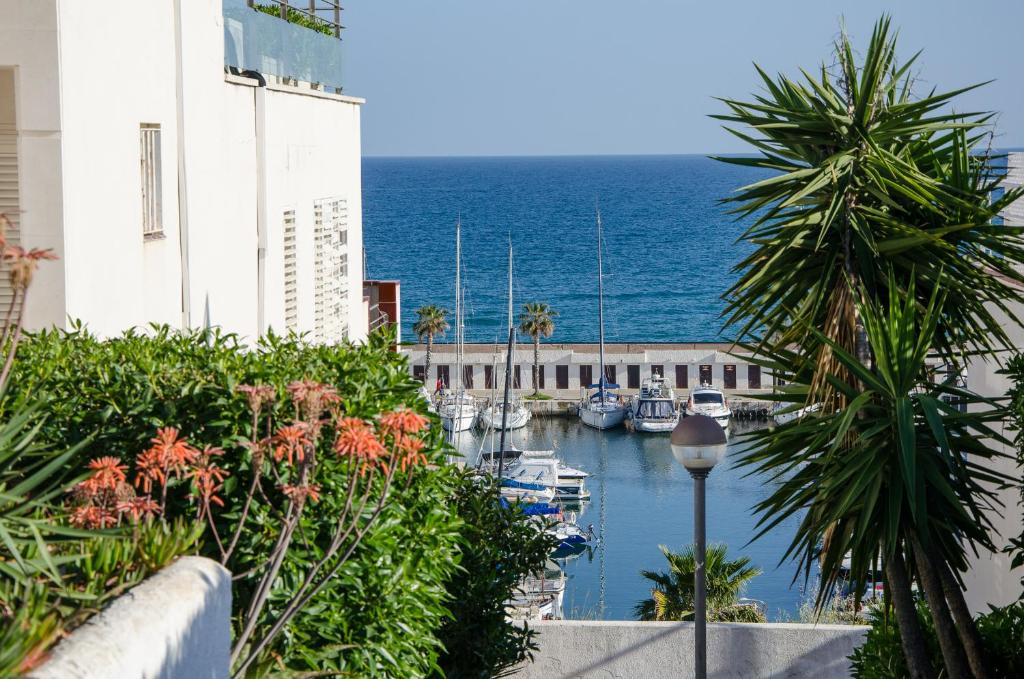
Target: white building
column 175, row 156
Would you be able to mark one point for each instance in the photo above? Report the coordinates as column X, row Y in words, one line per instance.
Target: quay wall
column 174, row 625
column 565, row 367
column 577, row 648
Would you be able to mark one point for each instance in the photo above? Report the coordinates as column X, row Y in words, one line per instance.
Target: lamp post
column 698, row 443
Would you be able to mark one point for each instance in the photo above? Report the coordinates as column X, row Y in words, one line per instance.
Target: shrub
column 378, row 613
column 1002, row 636
column 502, row 546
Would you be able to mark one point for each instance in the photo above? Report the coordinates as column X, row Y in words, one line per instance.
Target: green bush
column 1001, row 630
column 502, row 545
column 379, row 614
column 297, row 17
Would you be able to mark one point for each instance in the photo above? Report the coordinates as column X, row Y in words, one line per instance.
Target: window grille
column 9, row 191
column 331, row 300
column 291, row 273
column 152, row 198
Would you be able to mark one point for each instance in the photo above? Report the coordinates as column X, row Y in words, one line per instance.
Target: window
column 609, row 373
column 540, row 378
column 291, row 275
column 330, row 302
column 467, row 376
column 419, row 372
column 443, row 375
column 753, row 377
column 779, row 382
column 561, row 377
column 488, row 377
column 658, row 370
column 152, row 181
column 586, row 375
column 729, row 375
column 682, row 376
column 632, row 377
column 10, row 204
column 517, row 378
column 705, row 375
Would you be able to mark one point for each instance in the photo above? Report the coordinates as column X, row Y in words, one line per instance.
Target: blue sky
column 539, row 77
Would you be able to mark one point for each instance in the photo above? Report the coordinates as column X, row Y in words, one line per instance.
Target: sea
column 670, row 243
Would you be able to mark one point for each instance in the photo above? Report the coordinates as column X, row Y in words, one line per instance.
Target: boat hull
column 654, row 426
column 721, row 417
column 458, row 419
column 491, row 419
column 603, row 419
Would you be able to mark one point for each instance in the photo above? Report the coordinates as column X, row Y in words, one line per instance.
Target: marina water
column 640, row 499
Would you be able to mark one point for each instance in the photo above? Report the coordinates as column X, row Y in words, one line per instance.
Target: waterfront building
column 191, row 162
column 567, row 369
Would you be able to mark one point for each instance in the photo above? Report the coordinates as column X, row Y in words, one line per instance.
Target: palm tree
column 876, row 197
column 432, row 321
column 672, row 594
column 537, row 320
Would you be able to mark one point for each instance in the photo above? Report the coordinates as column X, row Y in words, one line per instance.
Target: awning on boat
column 512, row 483
column 535, row 509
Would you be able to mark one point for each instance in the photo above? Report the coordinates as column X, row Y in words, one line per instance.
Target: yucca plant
column 672, row 594
column 874, row 186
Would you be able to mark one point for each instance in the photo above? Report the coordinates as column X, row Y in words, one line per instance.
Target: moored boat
column 654, row 409
column 709, row 401
column 517, row 417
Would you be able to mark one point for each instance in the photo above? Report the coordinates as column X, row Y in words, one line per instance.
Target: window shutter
column 9, row 200
column 291, row 273
column 330, row 243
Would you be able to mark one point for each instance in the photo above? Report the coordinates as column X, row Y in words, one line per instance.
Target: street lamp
column 698, row 443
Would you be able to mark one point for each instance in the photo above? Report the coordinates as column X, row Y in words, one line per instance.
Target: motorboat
column 536, row 465
column 707, row 400
column 517, row 416
column 654, row 409
column 457, row 410
column 540, row 595
column 603, row 408
column 783, row 413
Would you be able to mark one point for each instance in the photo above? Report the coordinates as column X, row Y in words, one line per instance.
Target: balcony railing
column 322, row 16
column 264, row 43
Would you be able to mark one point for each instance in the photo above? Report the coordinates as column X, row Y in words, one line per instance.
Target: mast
column 600, row 309
column 508, row 369
column 458, row 305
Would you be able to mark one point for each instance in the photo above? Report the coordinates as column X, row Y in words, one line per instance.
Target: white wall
column 174, row 625
column 652, row 650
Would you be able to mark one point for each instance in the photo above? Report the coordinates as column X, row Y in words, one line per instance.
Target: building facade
column 185, row 167
column 567, row 369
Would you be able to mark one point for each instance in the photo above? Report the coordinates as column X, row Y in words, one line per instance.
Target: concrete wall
column 174, row 625
column 570, row 649
column 233, row 157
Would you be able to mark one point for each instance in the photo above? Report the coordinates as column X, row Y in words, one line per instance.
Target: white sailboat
column 457, row 409
column 603, row 409
column 500, row 414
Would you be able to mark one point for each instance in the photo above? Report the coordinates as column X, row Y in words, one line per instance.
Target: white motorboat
column 709, row 401
column 458, row 411
column 602, row 409
column 570, row 483
column 540, row 595
column 784, row 412
column 517, row 417
column 654, row 409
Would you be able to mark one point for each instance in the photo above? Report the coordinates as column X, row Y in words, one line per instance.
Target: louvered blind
column 9, row 201
column 291, row 274
column 330, row 238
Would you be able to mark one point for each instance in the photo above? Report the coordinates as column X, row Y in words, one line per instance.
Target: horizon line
column 708, row 154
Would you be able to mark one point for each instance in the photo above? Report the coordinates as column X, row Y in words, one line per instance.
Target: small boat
column 784, row 412
column 541, row 466
column 424, row 395
column 602, row 409
column 655, row 408
column 532, row 484
column 517, row 416
column 457, row 411
column 707, row 400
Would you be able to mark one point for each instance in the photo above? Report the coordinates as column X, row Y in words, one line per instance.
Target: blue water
column 669, row 244
column 641, row 498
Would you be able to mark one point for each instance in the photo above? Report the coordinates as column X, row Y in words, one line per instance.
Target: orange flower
column 298, row 494
column 169, row 455
column 403, row 421
column 291, row 441
column 149, row 467
column 258, row 395
column 24, row 263
column 411, row 450
column 108, row 472
column 91, row 516
column 138, row 508
column 311, row 398
column 356, row 438
column 207, row 478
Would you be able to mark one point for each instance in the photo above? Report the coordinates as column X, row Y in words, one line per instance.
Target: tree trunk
column 911, row 638
column 426, row 368
column 536, row 365
column 952, row 650
column 965, row 626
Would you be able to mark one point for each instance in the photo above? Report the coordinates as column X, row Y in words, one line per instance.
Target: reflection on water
column 641, row 499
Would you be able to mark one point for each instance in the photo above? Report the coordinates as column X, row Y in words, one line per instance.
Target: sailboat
column 457, row 408
column 602, row 409
column 511, row 414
